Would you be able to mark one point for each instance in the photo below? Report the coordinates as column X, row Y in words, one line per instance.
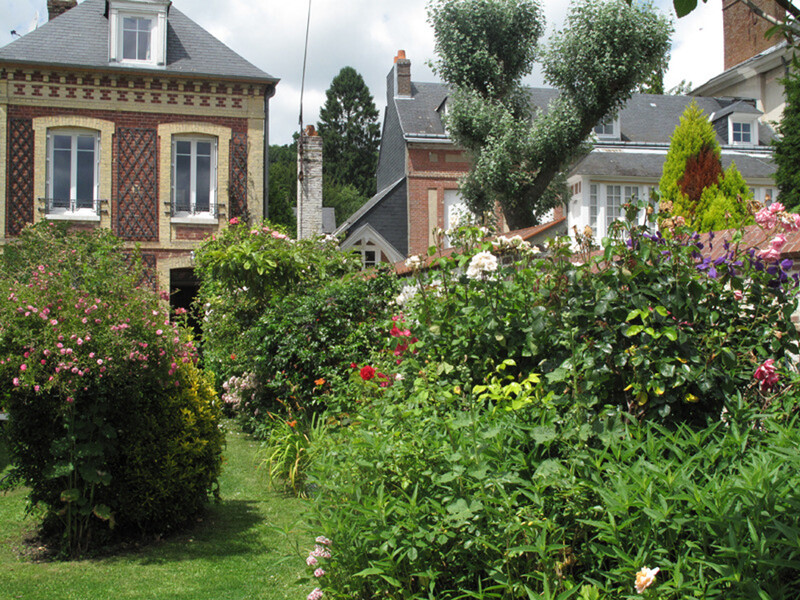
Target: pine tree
column 708, row 198
column 787, row 148
column 348, row 124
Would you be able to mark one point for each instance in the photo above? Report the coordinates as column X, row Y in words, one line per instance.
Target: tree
column 283, row 185
column 485, row 47
column 787, row 148
column 693, row 181
column 348, row 124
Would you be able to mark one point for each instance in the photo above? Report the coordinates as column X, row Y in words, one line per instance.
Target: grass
column 248, row 547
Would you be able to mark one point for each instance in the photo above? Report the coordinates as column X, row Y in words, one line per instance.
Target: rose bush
column 111, row 424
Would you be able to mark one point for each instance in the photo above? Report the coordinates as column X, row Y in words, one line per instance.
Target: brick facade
column 135, row 116
column 743, row 30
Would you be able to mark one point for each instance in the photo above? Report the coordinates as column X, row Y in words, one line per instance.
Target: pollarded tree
column 348, row 124
column 787, row 149
column 693, row 179
column 485, row 47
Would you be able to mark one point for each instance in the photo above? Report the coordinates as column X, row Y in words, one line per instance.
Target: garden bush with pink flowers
column 111, row 423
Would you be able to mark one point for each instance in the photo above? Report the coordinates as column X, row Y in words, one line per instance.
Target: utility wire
column 305, row 58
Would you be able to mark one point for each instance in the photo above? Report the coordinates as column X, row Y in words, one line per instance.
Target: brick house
column 126, row 114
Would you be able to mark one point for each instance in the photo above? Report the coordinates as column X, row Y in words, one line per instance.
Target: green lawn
column 238, row 552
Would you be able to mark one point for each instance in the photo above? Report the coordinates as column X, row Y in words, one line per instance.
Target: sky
column 366, row 35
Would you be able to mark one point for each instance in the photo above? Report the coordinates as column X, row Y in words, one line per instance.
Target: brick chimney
column 402, row 75
column 743, row 30
column 309, row 184
column 58, row 7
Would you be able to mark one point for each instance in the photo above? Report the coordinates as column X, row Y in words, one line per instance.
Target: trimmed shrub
column 111, row 424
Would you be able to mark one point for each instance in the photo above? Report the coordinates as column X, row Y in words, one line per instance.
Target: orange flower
column 319, row 381
column 292, row 423
column 233, row 357
column 645, row 578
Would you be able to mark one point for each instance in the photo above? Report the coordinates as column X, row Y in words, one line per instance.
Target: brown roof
column 753, row 236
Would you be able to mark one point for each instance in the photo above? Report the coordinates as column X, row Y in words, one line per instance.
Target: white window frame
column 193, row 213
column 604, row 125
column 600, row 212
column 156, row 13
column 741, row 120
column 72, row 210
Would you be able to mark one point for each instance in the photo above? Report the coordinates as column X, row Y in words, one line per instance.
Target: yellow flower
column 645, row 578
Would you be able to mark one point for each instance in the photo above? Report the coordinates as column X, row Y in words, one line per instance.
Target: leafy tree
column 485, row 47
column 283, row 184
column 344, row 199
column 348, row 124
column 787, row 148
column 693, row 179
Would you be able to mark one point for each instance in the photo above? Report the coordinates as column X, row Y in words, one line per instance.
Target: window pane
column 203, row 200
column 62, row 162
column 129, row 44
column 613, row 196
column 183, row 188
column 593, row 208
column 144, row 46
column 183, row 148
column 85, row 176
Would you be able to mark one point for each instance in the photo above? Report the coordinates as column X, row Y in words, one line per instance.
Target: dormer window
column 607, row 129
column 741, row 132
column 138, row 32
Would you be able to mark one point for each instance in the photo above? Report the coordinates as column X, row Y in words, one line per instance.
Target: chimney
column 309, row 184
column 59, row 7
column 402, row 75
column 743, row 31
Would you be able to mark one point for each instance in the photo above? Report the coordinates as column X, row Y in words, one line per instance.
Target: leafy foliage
column 283, row 185
column 787, row 147
column 348, row 124
column 110, row 422
column 485, row 47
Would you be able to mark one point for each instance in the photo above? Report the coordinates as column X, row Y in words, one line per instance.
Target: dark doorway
column 183, row 287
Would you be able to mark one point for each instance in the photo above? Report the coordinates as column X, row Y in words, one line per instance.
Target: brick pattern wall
column 237, row 197
column 136, row 202
column 743, row 31
column 19, row 208
column 431, row 171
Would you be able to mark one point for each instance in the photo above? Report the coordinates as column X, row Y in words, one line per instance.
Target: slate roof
column 650, row 165
column 645, row 118
column 79, row 38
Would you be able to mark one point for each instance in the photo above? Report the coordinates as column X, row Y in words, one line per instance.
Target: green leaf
column 670, row 333
column 70, row 495
column 684, row 7
column 633, row 330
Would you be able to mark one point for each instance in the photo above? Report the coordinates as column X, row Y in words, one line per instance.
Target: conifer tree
column 693, row 179
column 787, row 148
column 348, row 124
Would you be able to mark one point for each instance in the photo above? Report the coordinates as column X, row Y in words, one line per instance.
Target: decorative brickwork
column 149, row 271
column 20, row 175
column 137, row 180
column 237, row 196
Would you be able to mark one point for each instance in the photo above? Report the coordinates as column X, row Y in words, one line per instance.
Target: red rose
column 367, row 373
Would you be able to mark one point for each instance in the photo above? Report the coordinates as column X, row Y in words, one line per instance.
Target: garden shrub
column 437, row 493
column 651, row 324
column 111, row 424
column 278, row 344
